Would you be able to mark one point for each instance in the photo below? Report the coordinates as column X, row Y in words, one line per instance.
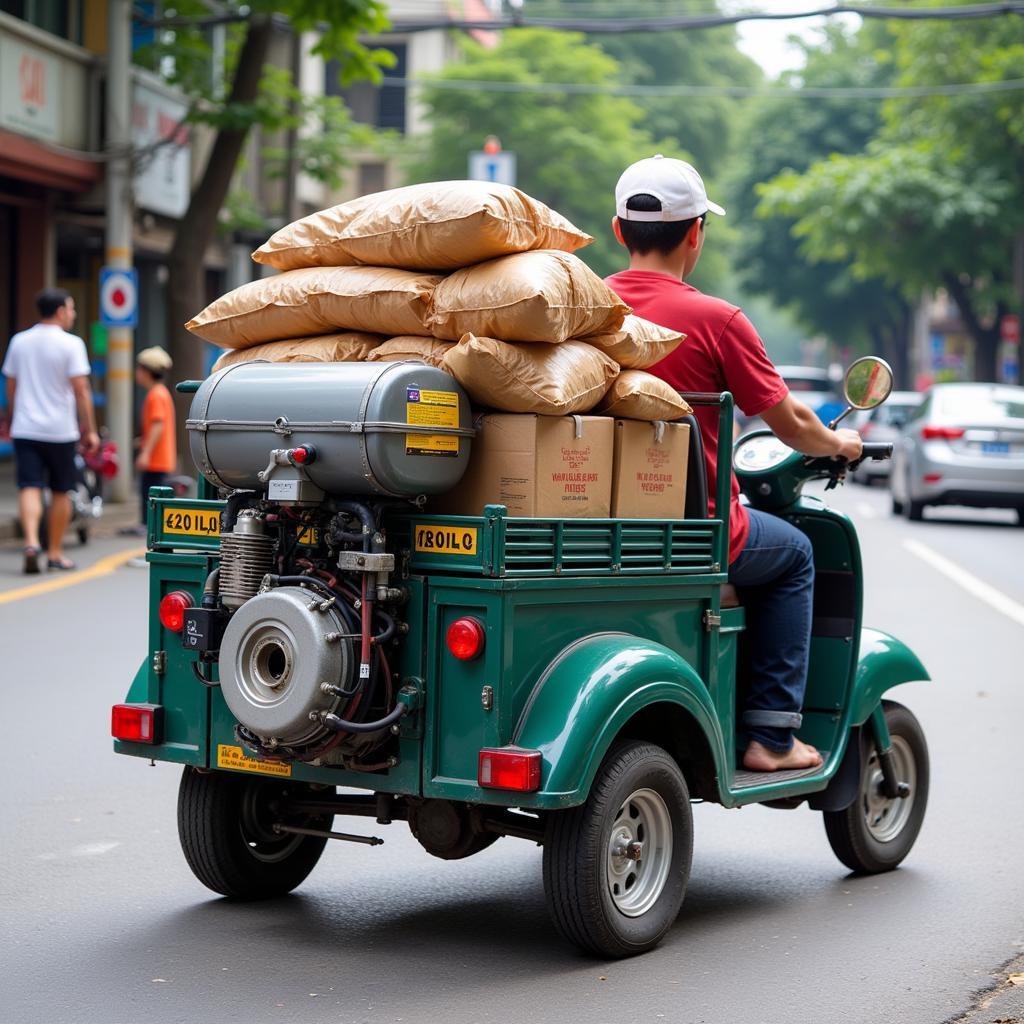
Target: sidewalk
column 115, row 515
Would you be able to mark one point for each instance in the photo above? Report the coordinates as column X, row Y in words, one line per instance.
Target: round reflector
column 465, row 638
column 172, row 610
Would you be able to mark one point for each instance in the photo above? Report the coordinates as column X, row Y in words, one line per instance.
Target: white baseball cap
column 674, row 182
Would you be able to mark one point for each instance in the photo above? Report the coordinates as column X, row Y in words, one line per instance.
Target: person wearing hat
column 661, row 211
column 158, row 453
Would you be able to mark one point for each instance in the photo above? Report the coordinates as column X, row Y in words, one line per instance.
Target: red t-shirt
column 722, row 352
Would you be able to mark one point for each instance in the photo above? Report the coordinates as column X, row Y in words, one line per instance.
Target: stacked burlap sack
column 474, row 277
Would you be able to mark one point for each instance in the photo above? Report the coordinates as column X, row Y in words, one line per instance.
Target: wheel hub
column 639, row 853
column 886, row 816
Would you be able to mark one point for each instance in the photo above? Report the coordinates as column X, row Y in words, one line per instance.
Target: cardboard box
column 543, row 466
column 649, row 478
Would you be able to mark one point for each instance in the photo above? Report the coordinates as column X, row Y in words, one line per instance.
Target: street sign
column 119, row 297
column 498, row 167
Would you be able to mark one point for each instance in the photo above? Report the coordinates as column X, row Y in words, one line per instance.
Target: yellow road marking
column 103, row 567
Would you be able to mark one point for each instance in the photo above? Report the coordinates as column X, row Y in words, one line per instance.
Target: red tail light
column 509, row 768
column 942, row 433
column 465, row 638
column 137, row 723
column 173, row 608
column 932, row 478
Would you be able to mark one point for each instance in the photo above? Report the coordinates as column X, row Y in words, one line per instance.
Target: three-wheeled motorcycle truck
column 321, row 644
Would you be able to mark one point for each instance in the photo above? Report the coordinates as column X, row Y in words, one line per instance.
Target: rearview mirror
column 868, row 382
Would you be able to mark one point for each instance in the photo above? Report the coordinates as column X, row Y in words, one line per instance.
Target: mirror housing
column 868, row 382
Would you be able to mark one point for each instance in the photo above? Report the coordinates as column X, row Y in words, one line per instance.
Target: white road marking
column 92, row 849
column 968, row 581
column 866, row 510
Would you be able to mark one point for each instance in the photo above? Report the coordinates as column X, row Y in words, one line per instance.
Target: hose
column 237, row 500
column 336, row 724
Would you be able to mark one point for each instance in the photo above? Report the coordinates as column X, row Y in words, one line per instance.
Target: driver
column 661, row 208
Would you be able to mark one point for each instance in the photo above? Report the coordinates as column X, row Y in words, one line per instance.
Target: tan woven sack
column 639, row 344
column 529, row 296
column 553, row 380
column 636, row 395
column 440, row 225
column 322, row 300
column 352, row 347
column 430, row 350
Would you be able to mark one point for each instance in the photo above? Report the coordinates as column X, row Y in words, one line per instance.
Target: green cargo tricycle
column 322, row 645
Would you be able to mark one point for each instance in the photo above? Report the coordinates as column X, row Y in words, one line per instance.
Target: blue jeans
column 775, row 573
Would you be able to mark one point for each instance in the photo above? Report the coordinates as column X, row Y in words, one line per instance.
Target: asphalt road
column 102, row 921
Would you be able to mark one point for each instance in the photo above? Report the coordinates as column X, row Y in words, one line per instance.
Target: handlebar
column 877, row 451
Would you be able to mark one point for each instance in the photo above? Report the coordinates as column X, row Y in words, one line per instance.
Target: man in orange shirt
column 158, row 454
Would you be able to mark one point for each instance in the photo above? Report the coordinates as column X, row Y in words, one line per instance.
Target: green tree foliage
column 705, row 127
column 938, row 196
column 570, row 149
column 790, row 133
column 232, row 93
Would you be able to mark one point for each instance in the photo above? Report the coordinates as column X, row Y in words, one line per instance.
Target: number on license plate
column 995, row 447
column 192, row 522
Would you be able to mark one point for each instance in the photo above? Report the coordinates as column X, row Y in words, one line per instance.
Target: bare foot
column 759, row 758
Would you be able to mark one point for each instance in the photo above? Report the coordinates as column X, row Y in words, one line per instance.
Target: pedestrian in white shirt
column 49, row 399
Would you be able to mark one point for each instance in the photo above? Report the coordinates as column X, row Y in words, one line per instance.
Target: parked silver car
column 963, row 445
column 883, row 423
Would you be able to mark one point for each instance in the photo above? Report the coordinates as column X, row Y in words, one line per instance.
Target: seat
column 729, row 597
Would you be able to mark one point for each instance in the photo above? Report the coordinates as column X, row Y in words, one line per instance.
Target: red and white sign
column 119, row 297
column 29, row 89
column 163, row 183
column 1009, row 328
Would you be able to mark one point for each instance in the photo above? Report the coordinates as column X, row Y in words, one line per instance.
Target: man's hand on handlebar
column 851, row 446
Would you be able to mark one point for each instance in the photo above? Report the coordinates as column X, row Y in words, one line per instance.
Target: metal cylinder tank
column 399, row 429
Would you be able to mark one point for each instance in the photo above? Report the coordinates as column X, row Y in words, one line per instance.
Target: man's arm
column 86, row 414
column 149, row 443
column 12, row 386
column 795, row 424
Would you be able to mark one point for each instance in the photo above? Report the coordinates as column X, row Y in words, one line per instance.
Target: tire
column 83, row 535
column 875, row 833
column 914, row 510
column 225, row 826
column 897, row 506
column 607, row 903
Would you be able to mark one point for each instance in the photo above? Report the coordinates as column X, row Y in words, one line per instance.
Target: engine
column 303, row 616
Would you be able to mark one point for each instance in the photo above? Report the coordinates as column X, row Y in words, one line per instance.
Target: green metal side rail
column 499, row 546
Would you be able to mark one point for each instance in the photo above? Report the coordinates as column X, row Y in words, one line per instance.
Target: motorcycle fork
column 891, row 785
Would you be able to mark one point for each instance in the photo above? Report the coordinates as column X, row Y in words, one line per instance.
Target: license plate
column 995, row 447
column 191, row 522
column 444, row 540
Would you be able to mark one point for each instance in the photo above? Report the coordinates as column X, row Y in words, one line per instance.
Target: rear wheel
column 915, row 510
column 226, row 827
column 616, row 868
column 876, row 832
column 897, row 506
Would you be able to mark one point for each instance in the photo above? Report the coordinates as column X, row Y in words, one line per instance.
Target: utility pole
column 120, row 340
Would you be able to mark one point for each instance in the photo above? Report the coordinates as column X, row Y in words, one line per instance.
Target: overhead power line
column 699, row 21
column 656, row 91
column 621, row 25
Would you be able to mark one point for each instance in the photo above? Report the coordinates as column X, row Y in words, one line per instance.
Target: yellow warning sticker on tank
column 308, row 537
column 432, row 409
column 238, row 760
column 443, row 540
column 192, row 522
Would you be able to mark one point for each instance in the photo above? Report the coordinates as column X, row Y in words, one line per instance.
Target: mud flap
column 845, row 784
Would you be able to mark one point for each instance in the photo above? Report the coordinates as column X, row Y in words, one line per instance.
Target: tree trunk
column 986, row 339
column 186, row 291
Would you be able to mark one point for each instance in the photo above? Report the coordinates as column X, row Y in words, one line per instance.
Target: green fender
column 589, row 692
column 883, row 662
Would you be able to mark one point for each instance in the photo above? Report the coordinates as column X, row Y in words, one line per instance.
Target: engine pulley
column 278, row 650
